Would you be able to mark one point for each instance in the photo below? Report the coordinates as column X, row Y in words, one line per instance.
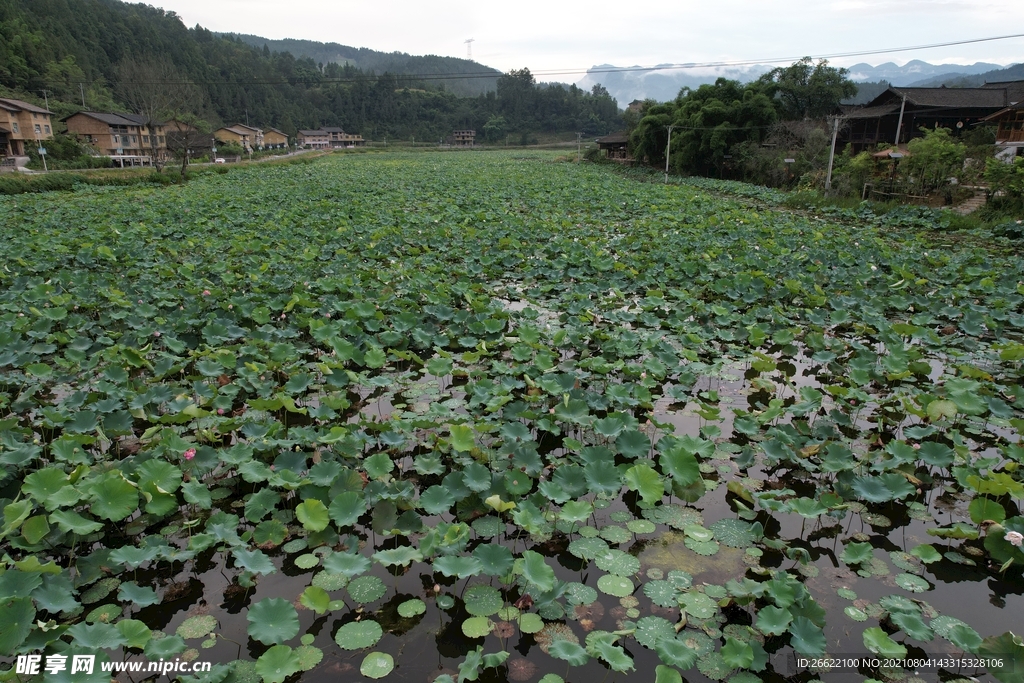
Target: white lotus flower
column 1014, row 538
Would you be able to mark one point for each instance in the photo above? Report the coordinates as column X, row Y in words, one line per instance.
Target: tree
column 935, row 157
column 185, row 136
column 156, row 91
column 1007, row 179
column 807, row 90
column 707, row 123
column 516, row 95
column 495, row 128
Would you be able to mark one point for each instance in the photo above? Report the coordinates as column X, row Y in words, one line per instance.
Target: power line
column 571, row 72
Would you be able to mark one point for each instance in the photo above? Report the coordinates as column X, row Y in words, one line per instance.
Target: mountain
column 664, row 82
column 1010, row 73
column 468, row 78
column 92, row 54
column 914, row 71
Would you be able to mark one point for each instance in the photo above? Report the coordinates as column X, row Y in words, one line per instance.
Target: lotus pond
column 479, row 416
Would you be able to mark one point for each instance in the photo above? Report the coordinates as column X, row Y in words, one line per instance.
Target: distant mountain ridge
column 1010, row 73
column 664, row 84
column 914, row 71
column 469, row 78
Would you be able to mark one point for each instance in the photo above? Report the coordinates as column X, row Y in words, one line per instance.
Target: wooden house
column 275, row 139
column 119, row 135
column 905, row 111
column 243, row 136
column 255, row 134
column 314, row 139
column 185, row 138
column 22, row 126
column 615, row 146
column 340, row 139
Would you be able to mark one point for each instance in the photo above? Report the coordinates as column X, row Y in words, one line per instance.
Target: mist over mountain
column 664, row 82
column 960, row 80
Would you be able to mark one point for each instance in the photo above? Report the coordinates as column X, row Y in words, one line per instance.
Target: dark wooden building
column 908, row 110
column 615, row 146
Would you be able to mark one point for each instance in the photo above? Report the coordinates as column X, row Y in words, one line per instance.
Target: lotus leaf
column 482, row 601
column 377, row 665
column 272, row 621
column 356, row 635
column 412, row 608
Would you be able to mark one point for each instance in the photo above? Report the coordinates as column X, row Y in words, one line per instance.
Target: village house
column 1009, row 121
column 125, row 137
column 185, row 139
column 243, row 136
column 615, row 146
column 463, row 138
column 905, row 111
column 21, row 122
column 1009, row 129
column 340, row 139
column 314, row 139
column 255, row 134
column 274, row 139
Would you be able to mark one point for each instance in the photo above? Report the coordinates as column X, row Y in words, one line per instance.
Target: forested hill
column 78, row 49
column 469, row 78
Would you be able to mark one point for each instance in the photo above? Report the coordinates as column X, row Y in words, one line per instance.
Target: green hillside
column 74, row 51
column 468, row 79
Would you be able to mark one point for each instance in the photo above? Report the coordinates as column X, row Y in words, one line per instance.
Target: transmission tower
column 469, row 48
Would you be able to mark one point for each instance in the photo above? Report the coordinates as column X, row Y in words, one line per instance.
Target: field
column 493, row 416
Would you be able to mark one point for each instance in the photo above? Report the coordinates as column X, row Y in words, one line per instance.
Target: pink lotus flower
column 1014, row 538
column 206, row 292
column 157, row 333
column 220, row 411
column 189, row 454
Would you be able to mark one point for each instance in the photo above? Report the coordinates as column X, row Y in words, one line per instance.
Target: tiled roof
column 618, row 138
column 310, row 133
column 238, row 131
column 1014, row 89
column 871, row 112
column 23, row 105
column 1017, row 106
column 981, row 98
column 112, row 119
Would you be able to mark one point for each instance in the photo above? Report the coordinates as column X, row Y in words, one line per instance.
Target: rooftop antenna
column 469, row 48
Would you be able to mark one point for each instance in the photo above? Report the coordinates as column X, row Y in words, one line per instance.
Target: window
column 145, row 139
column 160, row 140
column 134, row 139
column 14, row 126
column 117, row 139
column 38, row 129
column 47, row 129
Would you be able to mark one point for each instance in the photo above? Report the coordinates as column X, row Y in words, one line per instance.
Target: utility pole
column 900, row 124
column 81, row 89
column 832, row 153
column 46, row 98
column 42, row 154
column 579, row 137
column 668, row 147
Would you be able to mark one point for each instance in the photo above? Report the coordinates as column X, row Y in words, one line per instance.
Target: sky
column 547, row 36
